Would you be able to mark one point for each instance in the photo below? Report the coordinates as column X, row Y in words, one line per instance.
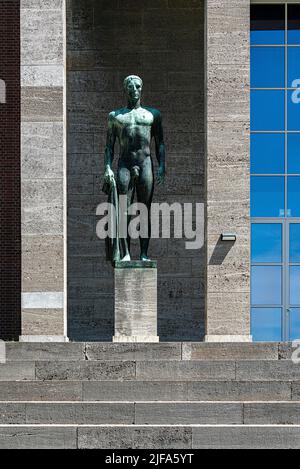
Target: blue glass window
column 294, row 324
column 295, row 285
column 294, row 24
column 294, row 196
column 294, row 153
column 267, row 67
column 293, row 67
column 266, row 285
column 267, row 24
column 294, row 109
column 267, row 153
column 266, row 242
column 267, row 110
column 295, row 243
column 266, row 324
column 267, row 196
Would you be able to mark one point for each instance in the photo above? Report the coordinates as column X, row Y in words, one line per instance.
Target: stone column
column 136, row 302
column 43, row 170
column 227, row 170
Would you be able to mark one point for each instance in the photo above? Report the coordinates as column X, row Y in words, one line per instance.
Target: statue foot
column 126, row 258
column 145, row 258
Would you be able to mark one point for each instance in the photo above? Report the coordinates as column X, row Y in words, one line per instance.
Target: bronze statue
column 133, row 127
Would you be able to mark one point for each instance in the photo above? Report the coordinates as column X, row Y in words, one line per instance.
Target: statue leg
column 124, row 188
column 145, row 189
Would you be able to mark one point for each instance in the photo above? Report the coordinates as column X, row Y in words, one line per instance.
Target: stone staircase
column 168, row 395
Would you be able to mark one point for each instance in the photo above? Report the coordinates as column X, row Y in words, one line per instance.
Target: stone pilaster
column 42, row 69
column 227, row 170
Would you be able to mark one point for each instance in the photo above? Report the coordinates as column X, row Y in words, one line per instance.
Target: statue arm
column 160, row 148
column 109, row 151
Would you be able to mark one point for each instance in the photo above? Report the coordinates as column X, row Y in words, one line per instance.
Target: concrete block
column 39, row 322
column 134, row 391
column 80, row 413
column 42, row 75
column 41, row 391
column 42, row 150
column 42, row 36
column 42, row 262
column 296, row 391
column 134, row 437
column 162, row 351
column 85, row 370
column 246, row 437
column 185, row 370
column 236, row 321
column 267, row 370
column 41, row 4
column 239, row 391
column 287, row 350
column 42, row 104
column 17, row 371
column 39, row 352
column 188, row 413
column 31, row 437
column 135, row 303
column 279, row 413
column 12, row 413
column 244, row 351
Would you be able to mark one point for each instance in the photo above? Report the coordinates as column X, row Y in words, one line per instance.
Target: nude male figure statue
column 134, row 127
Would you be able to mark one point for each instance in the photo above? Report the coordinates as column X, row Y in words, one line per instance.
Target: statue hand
column 109, row 176
column 161, row 175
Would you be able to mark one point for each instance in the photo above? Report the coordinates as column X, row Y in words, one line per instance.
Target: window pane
column 267, row 153
column 267, row 67
column 294, row 109
column 295, row 285
column 266, row 285
column 294, row 24
column 267, row 24
column 267, row 196
column 267, row 110
column 294, row 324
column 266, row 324
column 295, row 243
column 293, row 67
column 294, row 196
column 294, row 153
column 266, row 242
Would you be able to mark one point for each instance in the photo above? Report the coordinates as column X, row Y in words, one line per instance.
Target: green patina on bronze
column 133, row 127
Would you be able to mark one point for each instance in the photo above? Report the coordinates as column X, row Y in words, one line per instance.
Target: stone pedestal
column 136, row 302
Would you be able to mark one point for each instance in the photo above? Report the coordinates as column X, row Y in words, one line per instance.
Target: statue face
column 134, row 89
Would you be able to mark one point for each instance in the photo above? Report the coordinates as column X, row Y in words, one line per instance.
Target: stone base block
column 136, row 302
column 43, row 338
column 228, row 338
column 136, row 339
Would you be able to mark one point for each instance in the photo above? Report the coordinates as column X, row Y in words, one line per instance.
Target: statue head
column 133, row 86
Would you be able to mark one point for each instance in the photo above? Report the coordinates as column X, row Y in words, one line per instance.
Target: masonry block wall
column 163, row 41
column 10, row 200
column 42, row 60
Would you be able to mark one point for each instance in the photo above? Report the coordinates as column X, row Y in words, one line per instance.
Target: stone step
column 149, row 437
column 149, row 391
column 150, row 413
column 187, row 370
column 17, row 351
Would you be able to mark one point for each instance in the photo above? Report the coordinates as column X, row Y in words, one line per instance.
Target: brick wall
column 161, row 40
column 10, row 212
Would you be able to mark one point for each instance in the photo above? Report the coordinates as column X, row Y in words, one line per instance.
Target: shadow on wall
column 221, row 251
column 164, row 45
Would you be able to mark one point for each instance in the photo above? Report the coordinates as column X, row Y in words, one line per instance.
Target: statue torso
column 134, row 131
